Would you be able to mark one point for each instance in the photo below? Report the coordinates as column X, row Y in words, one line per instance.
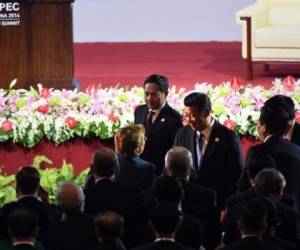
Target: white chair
column 270, row 33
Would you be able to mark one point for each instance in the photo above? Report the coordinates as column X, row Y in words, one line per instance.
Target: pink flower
column 45, row 92
column 43, row 109
column 297, row 116
column 71, row 122
column 6, row 126
column 289, row 83
column 229, row 124
column 113, row 117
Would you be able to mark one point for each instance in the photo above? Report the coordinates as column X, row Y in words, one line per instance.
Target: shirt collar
column 157, row 111
column 23, row 243
column 206, row 132
column 164, row 239
column 268, row 137
column 250, row 235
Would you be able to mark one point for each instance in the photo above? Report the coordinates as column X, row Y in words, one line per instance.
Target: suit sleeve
column 244, row 183
column 236, row 164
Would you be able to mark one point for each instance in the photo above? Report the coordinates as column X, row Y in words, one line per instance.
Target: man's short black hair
column 252, row 216
column 105, row 162
column 161, row 81
column 199, row 100
column 28, row 180
column 22, row 223
column 286, row 102
column 275, row 118
column 165, row 218
column 109, row 225
column 256, row 162
column 167, row 189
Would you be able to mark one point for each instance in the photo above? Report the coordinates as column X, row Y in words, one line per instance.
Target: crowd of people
column 171, row 182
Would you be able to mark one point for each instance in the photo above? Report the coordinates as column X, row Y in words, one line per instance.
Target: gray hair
column 70, row 197
column 269, row 181
column 179, row 161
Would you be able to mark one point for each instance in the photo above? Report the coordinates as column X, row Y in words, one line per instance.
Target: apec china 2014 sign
column 9, row 13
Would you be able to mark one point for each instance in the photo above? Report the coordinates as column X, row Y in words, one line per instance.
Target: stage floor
column 184, row 63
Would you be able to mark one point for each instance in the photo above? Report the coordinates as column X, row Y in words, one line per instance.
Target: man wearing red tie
column 160, row 120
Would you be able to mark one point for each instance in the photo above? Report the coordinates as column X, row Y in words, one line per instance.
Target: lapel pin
column 162, row 119
column 217, row 139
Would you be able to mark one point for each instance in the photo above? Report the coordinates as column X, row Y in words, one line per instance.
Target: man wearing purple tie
column 216, row 150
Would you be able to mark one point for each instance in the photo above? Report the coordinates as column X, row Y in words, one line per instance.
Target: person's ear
column 238, row 225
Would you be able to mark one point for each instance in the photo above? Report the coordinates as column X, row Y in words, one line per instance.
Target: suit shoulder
column 140, row 108
column 172, row 112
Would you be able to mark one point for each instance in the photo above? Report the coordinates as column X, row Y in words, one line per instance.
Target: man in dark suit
column 109, row 228
column 27, row 189
column 216, row 150
column 283, row 221
column 165, row 220
column 23, row 229
column 198, row 201
column 293, row 131
column 106, row 195
column 160, row 120
column 252, row 224
column 70, row 228
column 272, row 125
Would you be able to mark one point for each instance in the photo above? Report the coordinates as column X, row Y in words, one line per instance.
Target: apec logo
column 9, row 7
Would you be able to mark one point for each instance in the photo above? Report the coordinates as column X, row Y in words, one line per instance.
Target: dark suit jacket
column 76, row 231
column 296, row 134
column 113, row 244
column 222, row 161
column 287, row 157
column 31, row 203
column 163, row 245
column 160, row 136
column 190, row 233
column 105, row 195
column 250, row 243
column 282, row 220
column 135, row 172
column 200, row 202
column 24, row 247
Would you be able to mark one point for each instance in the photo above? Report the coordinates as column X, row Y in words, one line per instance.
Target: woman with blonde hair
column 134, row 171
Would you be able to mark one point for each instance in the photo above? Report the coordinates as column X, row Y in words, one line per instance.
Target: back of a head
column 105, row 162
column 275, row 117
column 269, row 181
column 286, row 102
column 253, row 216
column 109, row 225
column 199, row 100
column 131, row 140
column 167, row 189
column 257, row 162
column 70, row 197
column 28, row 180
column 161, row 81
column 179, row 162
column 165, row 218
column 22, row 224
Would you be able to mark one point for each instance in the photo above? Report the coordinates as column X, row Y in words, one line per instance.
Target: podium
column 36, row 43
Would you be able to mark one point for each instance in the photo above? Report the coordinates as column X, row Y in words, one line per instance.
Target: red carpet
column 183, row 63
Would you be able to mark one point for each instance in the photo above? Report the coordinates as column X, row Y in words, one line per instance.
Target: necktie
column 199, row 149
column 149, row 120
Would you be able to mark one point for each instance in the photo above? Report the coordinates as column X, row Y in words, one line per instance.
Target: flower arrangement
column 27, row 116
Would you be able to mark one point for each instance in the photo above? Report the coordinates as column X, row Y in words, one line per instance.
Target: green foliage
column 50, row 179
